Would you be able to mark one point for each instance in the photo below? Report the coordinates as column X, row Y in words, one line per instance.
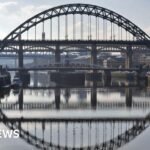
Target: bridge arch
column 115, row 142
column 79, row 9
column 50, row 49
column 84, row 48
column 127, row 130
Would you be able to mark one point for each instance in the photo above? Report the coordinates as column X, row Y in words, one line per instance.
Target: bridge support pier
column 107, row 77
column 128, row 94
column 94, row 96
column 20, row 99
column 57, row 98
column 129, row 53
column 20, row 53
column 94, row 55
column 35, row 81
column 57, row 54
column 20, row 56
column 35, row 73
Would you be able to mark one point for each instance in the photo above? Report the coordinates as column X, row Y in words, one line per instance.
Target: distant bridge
column 72, row 68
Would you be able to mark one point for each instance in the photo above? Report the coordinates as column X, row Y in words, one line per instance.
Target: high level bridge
column 76, row 27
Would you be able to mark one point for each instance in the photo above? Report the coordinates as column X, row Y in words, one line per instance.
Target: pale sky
column 15, row 12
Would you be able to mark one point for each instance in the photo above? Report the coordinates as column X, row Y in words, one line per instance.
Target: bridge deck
column 71, row 68
column 81, row 119
column 74, row 42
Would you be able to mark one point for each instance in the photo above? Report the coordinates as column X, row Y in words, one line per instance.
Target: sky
column 15, row 12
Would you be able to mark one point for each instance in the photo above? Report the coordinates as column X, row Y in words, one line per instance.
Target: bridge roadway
column 75, row 42
column 72, row 68
column 96, row 119
column 84, row 45
column 76, row 119
column 116, row 86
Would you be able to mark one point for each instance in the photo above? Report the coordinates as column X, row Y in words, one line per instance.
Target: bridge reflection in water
column 63, row 116
column 78, row 135
column 61, row 105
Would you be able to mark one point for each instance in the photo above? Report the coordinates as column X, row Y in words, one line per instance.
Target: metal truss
column 82, row 9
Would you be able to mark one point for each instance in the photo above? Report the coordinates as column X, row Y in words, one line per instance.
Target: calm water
column 43, row 99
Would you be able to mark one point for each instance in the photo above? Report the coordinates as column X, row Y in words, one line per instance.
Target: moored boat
column 5, row 78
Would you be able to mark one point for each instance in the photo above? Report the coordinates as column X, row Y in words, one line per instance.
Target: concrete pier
column 94, row 55
column 94, row 96
column 129, row 53
column 20, row 53
column 128, row 94
column 35, row 74
column 107, row 77
column 35, row 77
column 57, row 98
column 20, row 99
column 57, row 54
column 20, row 56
